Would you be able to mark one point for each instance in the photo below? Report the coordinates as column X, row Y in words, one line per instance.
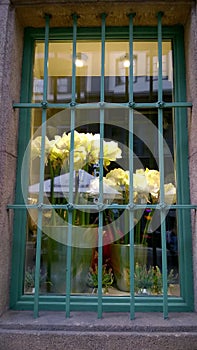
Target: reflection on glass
column 83, row 186
column 88, row 70
column 145, row 71
column 38, row 72
column 60, row 72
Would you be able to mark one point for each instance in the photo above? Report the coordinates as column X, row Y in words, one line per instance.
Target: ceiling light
column 126, row 61
column 80, row 60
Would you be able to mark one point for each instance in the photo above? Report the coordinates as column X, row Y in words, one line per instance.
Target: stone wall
column 175, row 12
column 10, row 72
column 191, row 73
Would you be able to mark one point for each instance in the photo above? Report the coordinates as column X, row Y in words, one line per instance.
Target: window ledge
column 83, row 331
column 88, row 322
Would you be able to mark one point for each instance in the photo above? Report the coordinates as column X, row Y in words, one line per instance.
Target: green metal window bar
column 39, row 232
column 131, row 207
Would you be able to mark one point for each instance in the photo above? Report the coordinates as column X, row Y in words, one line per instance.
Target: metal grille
column 131, row 207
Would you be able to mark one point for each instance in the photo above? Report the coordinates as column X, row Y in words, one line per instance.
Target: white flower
column 111, row 152
column 153, row 179
column 170, row 193
column 108, row 186
column 140, row 183
column 119, row 176
column 36, row 147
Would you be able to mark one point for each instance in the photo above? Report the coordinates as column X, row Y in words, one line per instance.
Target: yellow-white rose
column 170, row 193
column 36, row 147
column 93, row 155
column 79, row 157
column 63, row 142
column 140, row 184
column 111, row 152
column 119, row 176
column 109, row 186
column 153, row 180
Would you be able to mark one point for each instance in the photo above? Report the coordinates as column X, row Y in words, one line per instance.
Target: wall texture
column 10, row 72
column 175, row 11
column 191, row 66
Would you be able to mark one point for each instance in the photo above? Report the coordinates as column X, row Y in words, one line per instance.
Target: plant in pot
column 107, row 275
column 147, row 280
column 29, row 282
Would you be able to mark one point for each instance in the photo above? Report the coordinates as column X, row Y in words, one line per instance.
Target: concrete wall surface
column 191, row 81
column 175, row 12
column 83, row 331
column 10, row 72
column 99, row 341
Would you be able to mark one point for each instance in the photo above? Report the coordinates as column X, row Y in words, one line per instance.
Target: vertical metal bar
column 100, row 263
column 71, row 171
column 131, row 16
column 100, row 228
column 131, row 213
column 161, row 169
column 74, row 54
column 70, row 218
column 160, row 83
column 42, row 166
column 101, row 156
column 164, row 264
column 102, row 92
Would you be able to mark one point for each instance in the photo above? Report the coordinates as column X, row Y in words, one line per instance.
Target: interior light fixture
column 80, row 60
column 125, row 60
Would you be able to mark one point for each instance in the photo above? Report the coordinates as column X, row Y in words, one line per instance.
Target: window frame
column 83, row 302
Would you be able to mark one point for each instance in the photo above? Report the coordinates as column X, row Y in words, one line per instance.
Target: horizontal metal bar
column 86, row 298
column 104, row 105
column 162, row 104
column 42, row 105
column 22, row 206
column 96, row 105
column 27, row 105
column 177, row 104
column 100, row 105
column 101, row 207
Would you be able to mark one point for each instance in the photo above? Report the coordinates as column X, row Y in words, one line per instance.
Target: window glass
column 84, row 188
column 145, row 71
column 88, row 70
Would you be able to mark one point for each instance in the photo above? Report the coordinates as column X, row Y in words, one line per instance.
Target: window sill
column 88, row 322
column 83, row 331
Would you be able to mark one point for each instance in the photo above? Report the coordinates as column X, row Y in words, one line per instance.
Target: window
column 102, row 214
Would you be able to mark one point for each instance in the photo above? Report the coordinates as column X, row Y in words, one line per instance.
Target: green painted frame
column 184, row 303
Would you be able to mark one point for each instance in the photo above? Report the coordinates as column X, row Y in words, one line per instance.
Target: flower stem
column 148, row 221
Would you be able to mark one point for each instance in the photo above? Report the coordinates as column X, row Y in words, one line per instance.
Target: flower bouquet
column 56, row 191
column 146, row 189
